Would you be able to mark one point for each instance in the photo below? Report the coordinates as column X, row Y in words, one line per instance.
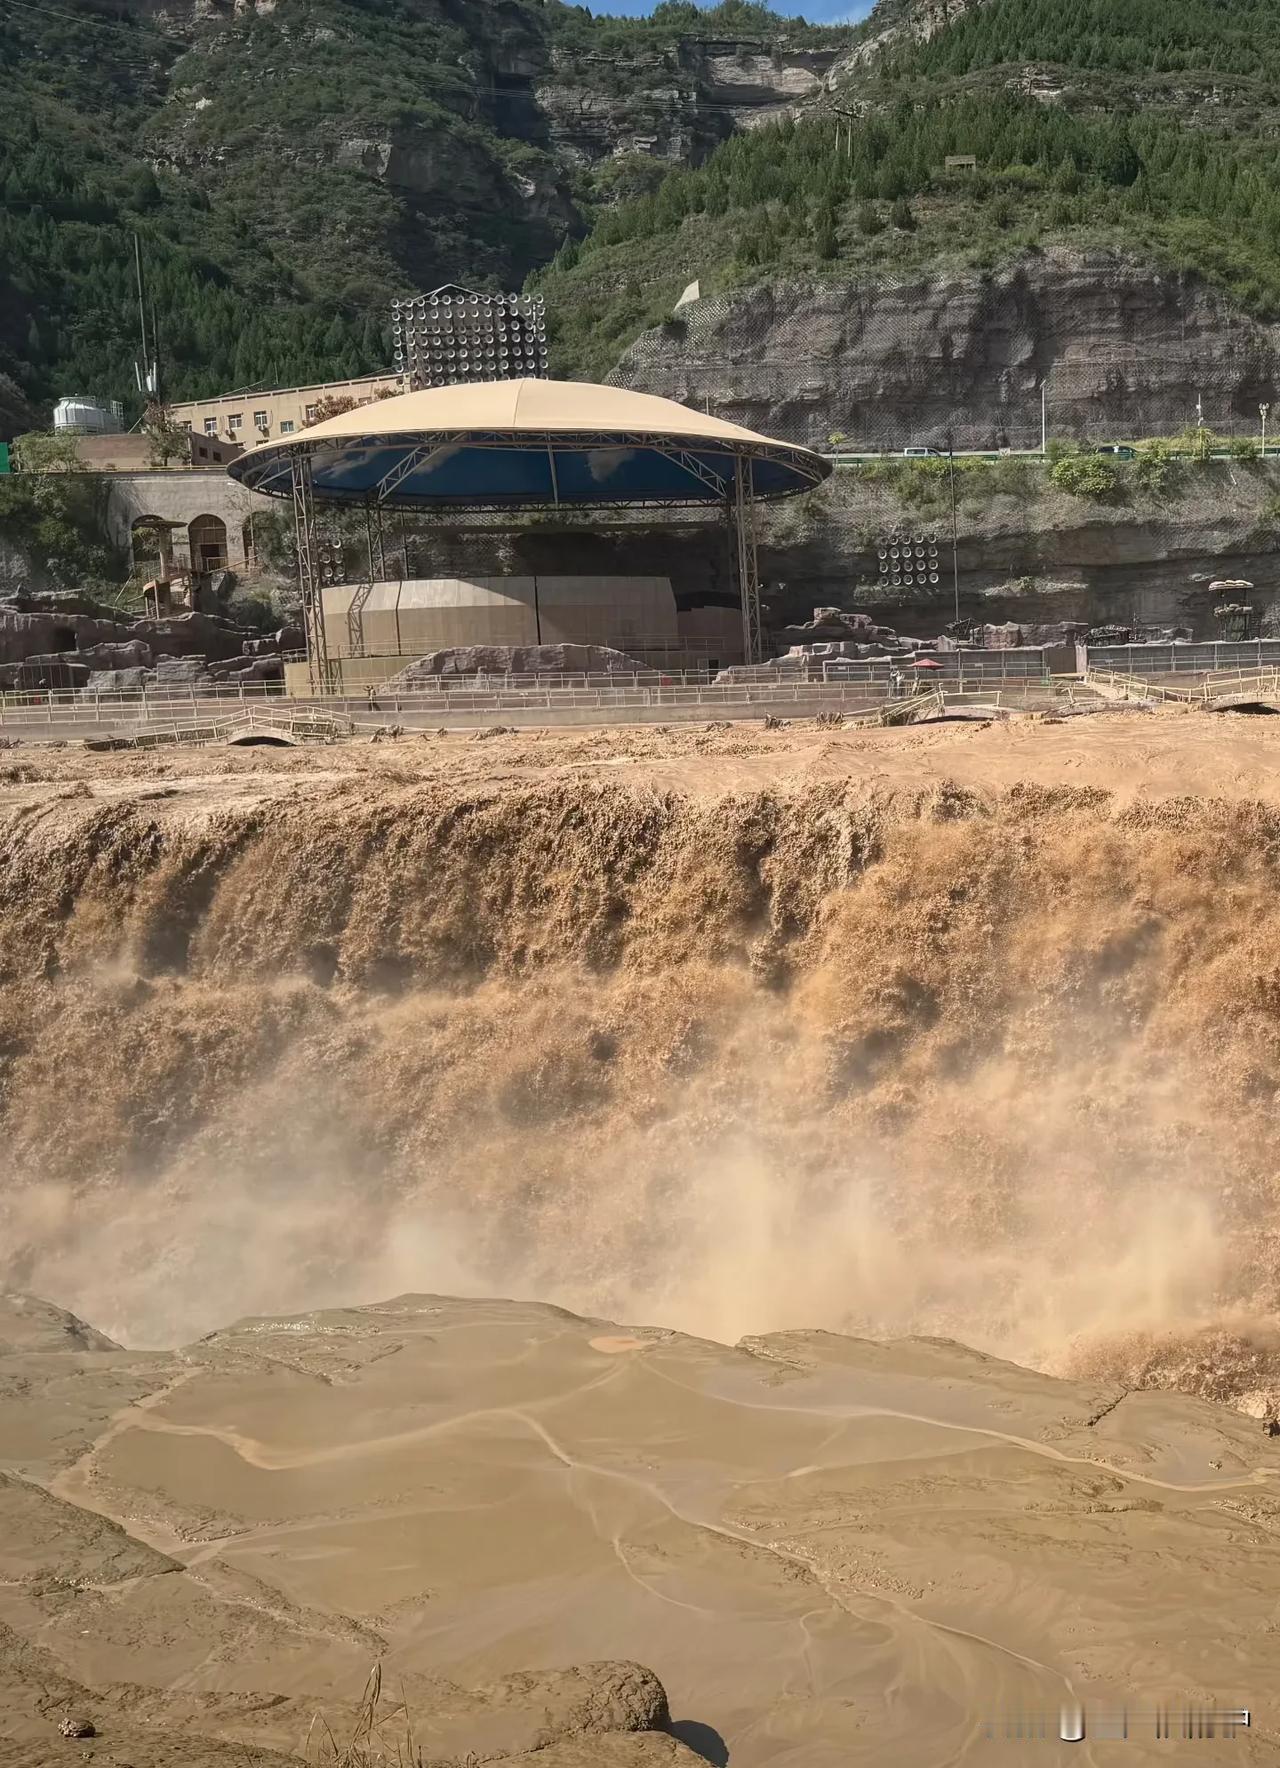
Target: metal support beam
column 363, row 590
column 742, row 523
column 371, row 571
column 695, row 468
column 415, row 458
column 304, row 524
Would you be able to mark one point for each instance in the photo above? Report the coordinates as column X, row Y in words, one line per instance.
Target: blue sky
column 818, row 12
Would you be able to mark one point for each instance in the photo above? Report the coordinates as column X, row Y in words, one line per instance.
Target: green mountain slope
column 1136, row 124
column 291, row 166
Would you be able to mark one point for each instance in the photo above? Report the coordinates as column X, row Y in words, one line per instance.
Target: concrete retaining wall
column 182, row 495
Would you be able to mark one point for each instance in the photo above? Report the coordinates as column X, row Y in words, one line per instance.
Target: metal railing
column 1133, row 687
column 136, row 709
column 60, row 705
column 1223, row 684
column 1012, row 664
column 712, row 695
column 1265, row 680
column 244, row 724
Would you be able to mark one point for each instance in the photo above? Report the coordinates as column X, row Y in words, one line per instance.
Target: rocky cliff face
column 1031, row 553
column 1119, row 350
column 676, row 104
column 914, row 23
column 475, row 158
column 1027, row 551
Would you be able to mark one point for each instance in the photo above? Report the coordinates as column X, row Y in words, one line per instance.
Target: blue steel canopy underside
column 499, row 470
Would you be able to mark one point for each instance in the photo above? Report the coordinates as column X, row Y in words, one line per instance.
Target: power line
column 109, row 24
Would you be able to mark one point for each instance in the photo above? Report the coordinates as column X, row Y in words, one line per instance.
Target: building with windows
column 264, row 414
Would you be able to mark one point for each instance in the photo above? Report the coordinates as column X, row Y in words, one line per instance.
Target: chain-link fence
column 887, row 367
column 1176, row 659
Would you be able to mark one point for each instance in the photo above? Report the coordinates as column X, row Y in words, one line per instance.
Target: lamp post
column 955, row 552
column 1262, row 413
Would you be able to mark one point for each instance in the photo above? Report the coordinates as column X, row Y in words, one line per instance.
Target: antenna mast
column 146, row 369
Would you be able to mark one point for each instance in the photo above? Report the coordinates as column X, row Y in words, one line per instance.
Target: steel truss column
column 304, row 523
column 364, row 589
column 743, row 523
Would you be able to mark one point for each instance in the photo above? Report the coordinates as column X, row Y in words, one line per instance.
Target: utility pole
column 1044, row 417
column 850, row 118
column 155, row 354
column 1262, row 413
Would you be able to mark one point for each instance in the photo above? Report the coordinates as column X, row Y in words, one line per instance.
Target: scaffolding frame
column 734, row 498
column 306, row 547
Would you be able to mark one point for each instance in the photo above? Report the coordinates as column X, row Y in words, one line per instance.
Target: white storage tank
column 86, row 415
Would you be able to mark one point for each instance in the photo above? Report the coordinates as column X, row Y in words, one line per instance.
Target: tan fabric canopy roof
column 529, row 444
column 566, row 407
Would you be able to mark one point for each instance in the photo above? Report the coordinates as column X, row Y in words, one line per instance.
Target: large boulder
column 1005, row 637
column 288, row 638
column 25, row 635
column 62, row 604
column 595, row 1706
column 191, row 635
column 518, row 660
column 233, row 669
column 180, row 672
column 132, row 654
column 835, row 623
column 114, row 681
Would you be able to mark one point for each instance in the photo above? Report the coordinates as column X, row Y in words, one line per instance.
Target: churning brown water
column 1003, row 1070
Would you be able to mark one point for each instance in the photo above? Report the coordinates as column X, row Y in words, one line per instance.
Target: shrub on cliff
column 1155, row 469
column 1085, row 475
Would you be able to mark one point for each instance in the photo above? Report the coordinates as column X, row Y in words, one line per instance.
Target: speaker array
column 446, row 338
column 329, row 562
column 908, row 561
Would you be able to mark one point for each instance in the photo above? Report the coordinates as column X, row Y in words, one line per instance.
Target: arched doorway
column 207, row 537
